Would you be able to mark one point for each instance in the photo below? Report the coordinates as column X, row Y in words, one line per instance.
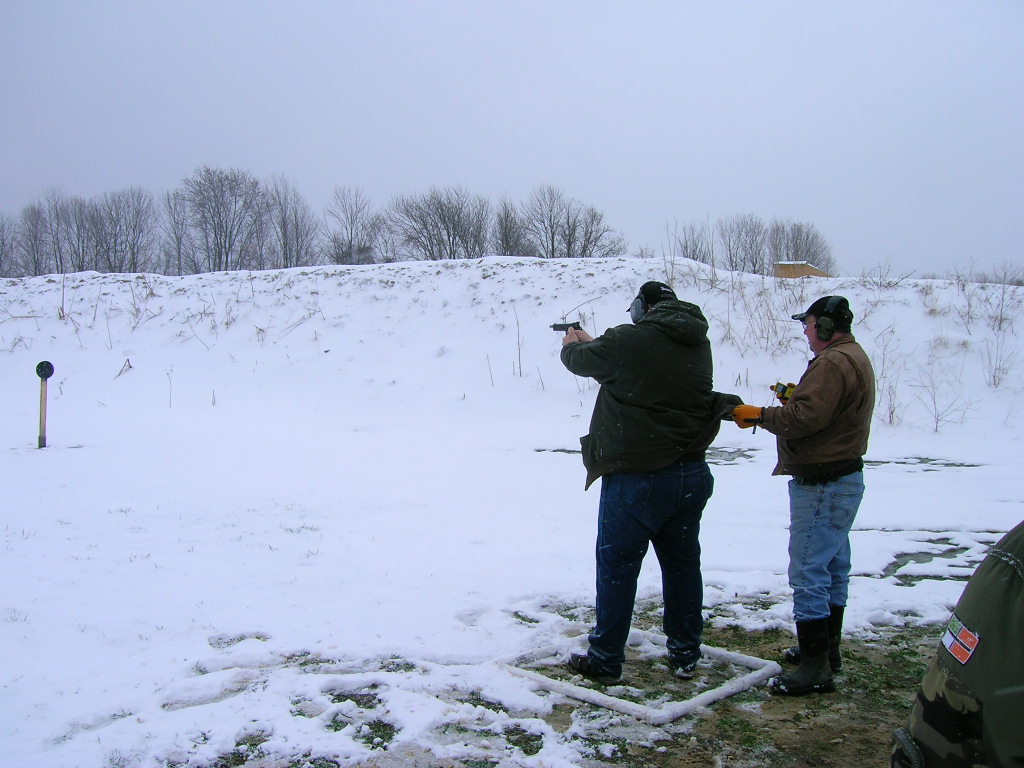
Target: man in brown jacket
column 822, row 432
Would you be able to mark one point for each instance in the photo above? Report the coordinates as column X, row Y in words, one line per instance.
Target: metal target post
column 44, row 371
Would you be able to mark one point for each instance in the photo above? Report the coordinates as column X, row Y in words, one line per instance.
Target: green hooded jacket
column 655, row 405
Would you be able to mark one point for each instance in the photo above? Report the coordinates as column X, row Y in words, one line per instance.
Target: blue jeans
column 662, row 508
column 819, row 543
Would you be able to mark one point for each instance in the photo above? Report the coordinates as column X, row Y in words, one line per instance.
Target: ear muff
column 637, row 309
column 825, row 328
column 825, row 325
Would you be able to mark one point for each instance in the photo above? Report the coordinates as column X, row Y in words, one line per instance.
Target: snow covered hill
column 262, row 488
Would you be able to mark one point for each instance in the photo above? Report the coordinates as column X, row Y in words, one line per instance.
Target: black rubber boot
column 814, row 674
column 835, row 637
column 585, row 664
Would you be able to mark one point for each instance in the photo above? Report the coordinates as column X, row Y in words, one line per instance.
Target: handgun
column 564, row 327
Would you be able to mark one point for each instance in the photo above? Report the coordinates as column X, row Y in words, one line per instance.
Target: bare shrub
column 930, row 300
column 1005, row 274
column 889, row 368
column 756, row 320
column 967, row 308
column 939, row 389
column 1000, row 359
column 1002, row 307
column 882, row 278
column 794, row 294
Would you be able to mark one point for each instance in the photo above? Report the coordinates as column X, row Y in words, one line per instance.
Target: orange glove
column 746, row 416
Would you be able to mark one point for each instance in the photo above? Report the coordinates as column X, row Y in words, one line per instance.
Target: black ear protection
column 641, row 304
column 637, row 309
column 824, row 324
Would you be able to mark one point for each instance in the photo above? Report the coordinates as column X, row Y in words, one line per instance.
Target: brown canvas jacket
column 823, row 430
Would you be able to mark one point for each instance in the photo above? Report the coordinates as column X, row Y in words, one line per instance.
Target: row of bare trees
column 226, row 219
column 115, row 232
column 745, row 243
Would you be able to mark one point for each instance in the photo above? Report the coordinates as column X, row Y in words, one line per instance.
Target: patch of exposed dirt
column 851, row 728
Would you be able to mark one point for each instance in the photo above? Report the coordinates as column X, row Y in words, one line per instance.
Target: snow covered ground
column 312, row 508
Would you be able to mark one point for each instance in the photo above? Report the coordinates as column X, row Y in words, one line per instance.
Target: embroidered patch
column 959, row 640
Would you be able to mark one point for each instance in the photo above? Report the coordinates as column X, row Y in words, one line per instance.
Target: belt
column 821, row 480
column 837, row 470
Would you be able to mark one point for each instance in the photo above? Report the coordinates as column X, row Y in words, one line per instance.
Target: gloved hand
column 746, row 416
column 783, row 391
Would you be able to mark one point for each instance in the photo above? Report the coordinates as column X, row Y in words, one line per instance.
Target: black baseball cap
column 835, row 307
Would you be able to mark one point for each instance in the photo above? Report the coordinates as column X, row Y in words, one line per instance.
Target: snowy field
column 263, row 491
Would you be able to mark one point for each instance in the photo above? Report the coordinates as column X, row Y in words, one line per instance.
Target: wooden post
column 44, row 371
column 42, row 413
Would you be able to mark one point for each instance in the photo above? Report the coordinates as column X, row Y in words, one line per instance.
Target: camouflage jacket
column 970, row 709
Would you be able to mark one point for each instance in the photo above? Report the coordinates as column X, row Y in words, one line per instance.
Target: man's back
column 655, row 398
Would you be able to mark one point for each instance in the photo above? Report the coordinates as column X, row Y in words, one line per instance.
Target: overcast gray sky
column 895, row 127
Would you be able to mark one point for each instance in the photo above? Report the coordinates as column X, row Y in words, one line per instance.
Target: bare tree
column 386, row 241
column 729, row 246
column 571, row 230
column 76, row 234
column 33, row 241
column 140, row 221
column 510, row 235
column 595, row 238
column 545, row 213
column 177, row 245
column 561, row 227
column 225, row 208
column 352, row 227
column 124, row 230
column 753, row 238
column 695, row 242
column 416, row 228
column 789, row 241
column 70, row 231
column 806, row 243
column 57, row 210
column 8, row 233
column 104, row 238
column 258, row 244
column 778, row 241
column 294, row 227
column 442, row 224
column 474, row 217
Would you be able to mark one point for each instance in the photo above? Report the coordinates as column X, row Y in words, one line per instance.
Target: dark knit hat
column 653, row 292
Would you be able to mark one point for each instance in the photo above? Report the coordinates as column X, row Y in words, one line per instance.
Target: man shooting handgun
column 654, row 417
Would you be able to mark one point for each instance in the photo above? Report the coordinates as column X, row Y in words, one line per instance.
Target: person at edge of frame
column 822, row 435
column 654, row 417
column 968, row 712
